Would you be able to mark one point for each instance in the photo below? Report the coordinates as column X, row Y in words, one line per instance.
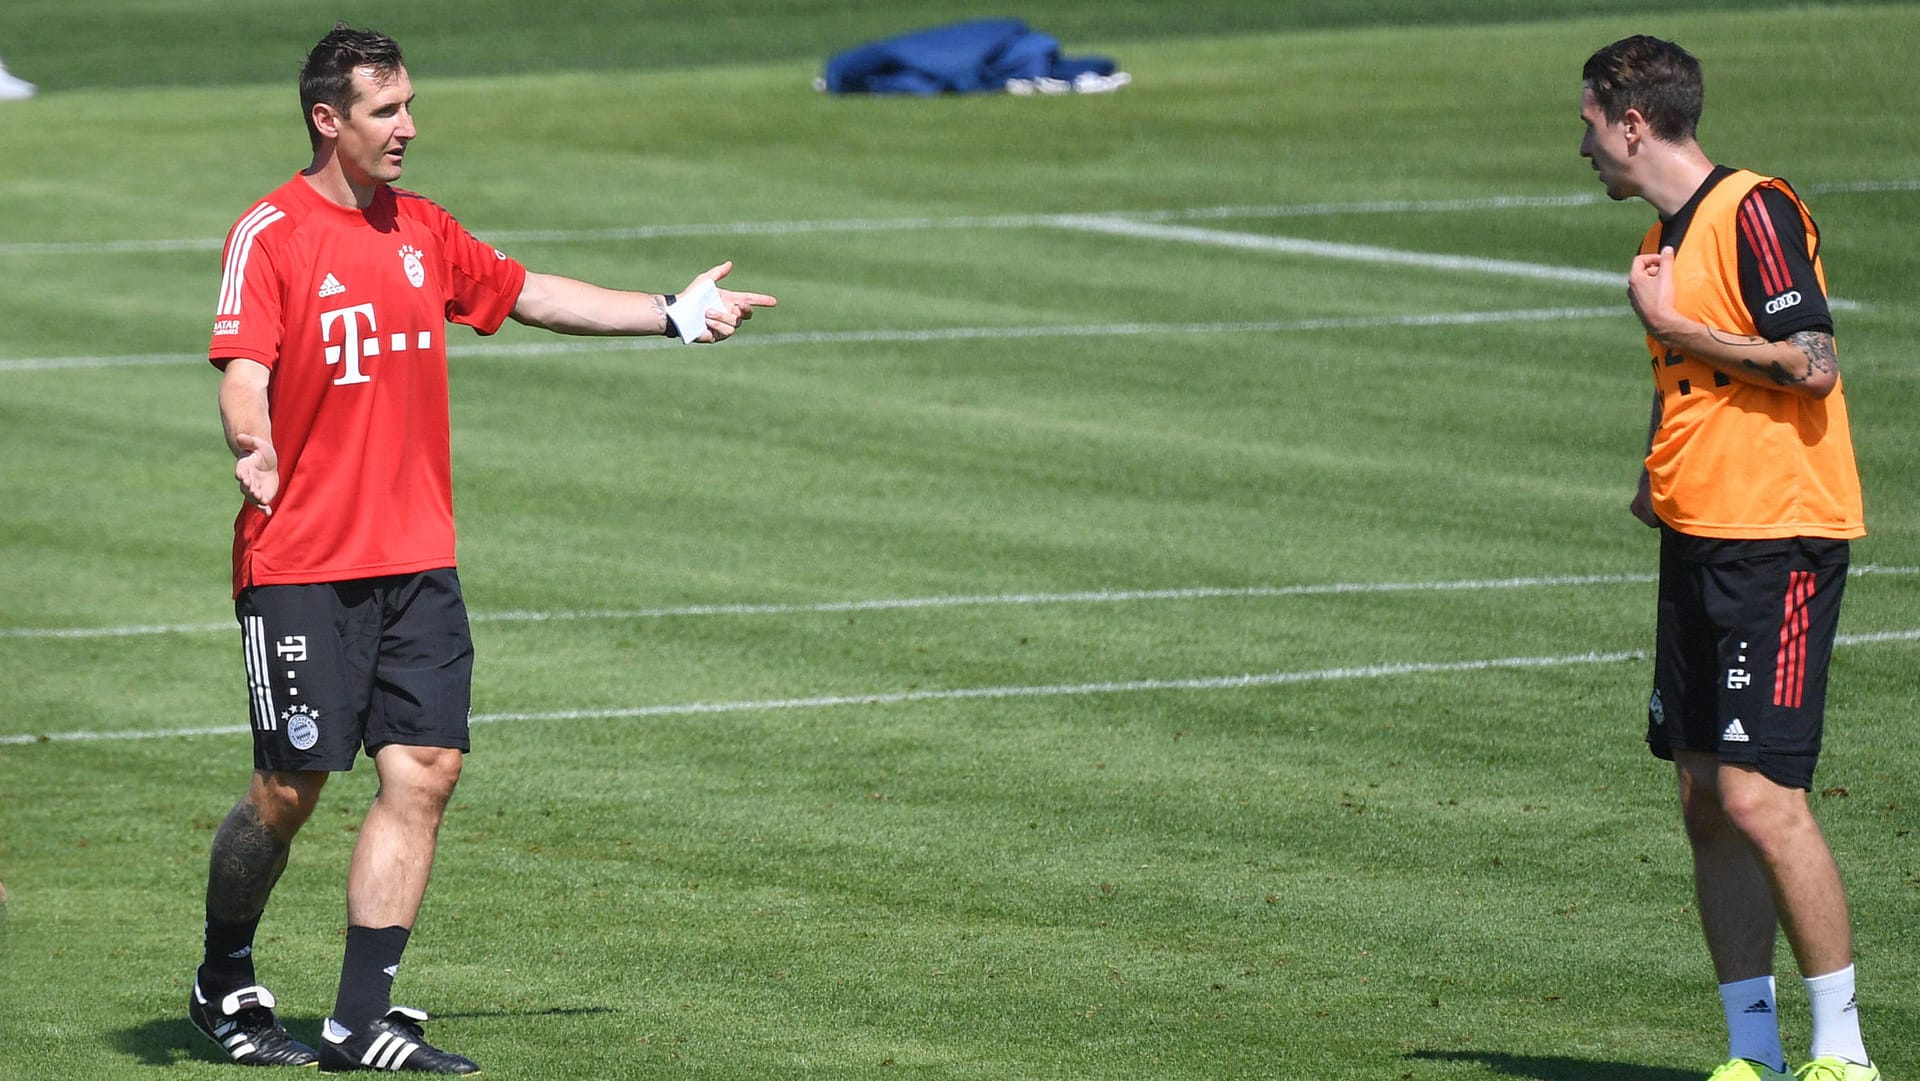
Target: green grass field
column 1130, row 612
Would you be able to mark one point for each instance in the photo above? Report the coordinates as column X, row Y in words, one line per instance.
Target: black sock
column 366, row 975
column 227, row 965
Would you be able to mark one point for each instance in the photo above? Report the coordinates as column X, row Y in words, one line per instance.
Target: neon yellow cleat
column 1743, row 1069
column 1828, row 1068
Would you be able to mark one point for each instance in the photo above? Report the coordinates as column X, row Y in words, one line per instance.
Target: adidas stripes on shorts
column 336, row 666
column 1746, row 629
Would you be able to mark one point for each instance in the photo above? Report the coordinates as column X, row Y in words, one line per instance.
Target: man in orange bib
column 1750, row 480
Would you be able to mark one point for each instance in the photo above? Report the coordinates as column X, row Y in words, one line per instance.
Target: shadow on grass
column 170, row 1040
column 1557, row 1068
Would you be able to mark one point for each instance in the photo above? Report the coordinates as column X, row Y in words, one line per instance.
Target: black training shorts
column 337, row 666
column 1746, row 629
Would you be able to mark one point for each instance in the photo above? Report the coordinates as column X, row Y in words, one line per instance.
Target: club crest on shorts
column 302, row 727
column 416, row 273
column 1656, row 710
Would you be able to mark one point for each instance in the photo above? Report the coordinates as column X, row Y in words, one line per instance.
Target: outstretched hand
column 257, row 470
column 733, row 308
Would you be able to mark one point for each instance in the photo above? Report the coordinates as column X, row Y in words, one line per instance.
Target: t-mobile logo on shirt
column 361, row 340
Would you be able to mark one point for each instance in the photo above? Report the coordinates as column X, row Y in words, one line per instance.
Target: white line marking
column 1098, row 596
column 941, row 334
column 1863, row 187
column 1098, row 330
column 852, row 225
column 1266, row 679
column 895, row 604
column 890, row 604
column 1360, row 253
column 138, row 630
column 129, row 360
column 995, row 221
column 1212, row 683
column 1209, row 683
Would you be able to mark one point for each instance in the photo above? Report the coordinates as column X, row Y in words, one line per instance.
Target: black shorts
column 337, row 666
column 1746, row 629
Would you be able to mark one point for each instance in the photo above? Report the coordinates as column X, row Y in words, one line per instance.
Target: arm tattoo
column 1771, row 369
column 1818, row 346
column 1775, row 371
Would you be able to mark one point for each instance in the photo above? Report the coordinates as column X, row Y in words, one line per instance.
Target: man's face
column 1607, row 146
column 377, row 127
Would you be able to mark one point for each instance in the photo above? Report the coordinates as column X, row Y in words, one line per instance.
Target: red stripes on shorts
column 1790, row 664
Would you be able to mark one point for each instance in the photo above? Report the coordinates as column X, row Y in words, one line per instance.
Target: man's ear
column 326, row 120
column 1634, row 125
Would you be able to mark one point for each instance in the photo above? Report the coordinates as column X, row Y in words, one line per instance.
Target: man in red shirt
column 330, row 335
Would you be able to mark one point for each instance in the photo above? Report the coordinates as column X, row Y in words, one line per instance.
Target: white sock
column 1753, row 1023
column 1836, row 1022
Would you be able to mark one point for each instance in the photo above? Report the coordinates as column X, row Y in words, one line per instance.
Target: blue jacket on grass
column 962, row 58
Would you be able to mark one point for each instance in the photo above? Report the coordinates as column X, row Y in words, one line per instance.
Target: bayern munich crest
column 416, row 273
column 302, row 727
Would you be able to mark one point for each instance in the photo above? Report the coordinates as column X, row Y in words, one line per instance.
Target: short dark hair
column 1656, row 77
column 328, row 73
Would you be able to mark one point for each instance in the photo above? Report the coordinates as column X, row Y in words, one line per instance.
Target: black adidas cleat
column 393, row 1042
column 243, row 1024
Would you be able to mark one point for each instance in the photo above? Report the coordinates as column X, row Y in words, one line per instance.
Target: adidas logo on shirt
column 1735, row 733
column 331, row 287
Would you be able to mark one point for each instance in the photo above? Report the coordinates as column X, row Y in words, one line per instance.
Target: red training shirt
column 348, row 309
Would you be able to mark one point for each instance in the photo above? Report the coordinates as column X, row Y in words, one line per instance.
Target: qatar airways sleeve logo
column 359, row 339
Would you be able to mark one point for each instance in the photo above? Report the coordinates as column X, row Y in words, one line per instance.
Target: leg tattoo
column 247, row 861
